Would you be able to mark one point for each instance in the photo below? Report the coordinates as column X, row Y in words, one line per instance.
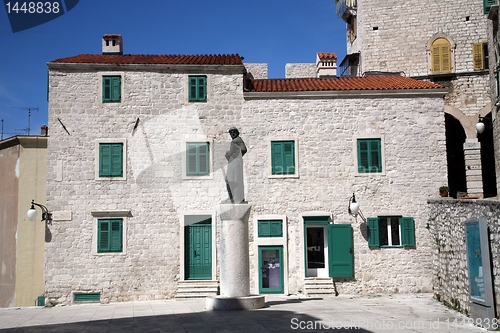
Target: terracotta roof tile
column 152, row 59
column 327, row 56
column 343, row 83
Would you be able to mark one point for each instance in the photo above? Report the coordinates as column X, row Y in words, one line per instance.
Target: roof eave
column 435, row 92
column 148, row 67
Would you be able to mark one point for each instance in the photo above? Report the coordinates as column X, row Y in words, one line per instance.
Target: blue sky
column 275, row 32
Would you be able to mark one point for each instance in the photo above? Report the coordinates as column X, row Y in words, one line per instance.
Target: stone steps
column 197, row 289
column 319, row 286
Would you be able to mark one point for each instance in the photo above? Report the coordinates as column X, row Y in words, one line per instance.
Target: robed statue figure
column 234, row 175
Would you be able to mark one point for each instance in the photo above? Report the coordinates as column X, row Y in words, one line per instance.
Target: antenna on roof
column 29, row 115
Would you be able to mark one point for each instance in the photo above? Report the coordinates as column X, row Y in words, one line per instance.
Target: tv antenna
column 29, row 115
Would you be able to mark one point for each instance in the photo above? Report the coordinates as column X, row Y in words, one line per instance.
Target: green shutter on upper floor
column 110, row 235
column 487, row 4
column 283, row 157
column 197, row 158
column 111, row 89
column 110, row 159
column 369, row 155
column 197, row 88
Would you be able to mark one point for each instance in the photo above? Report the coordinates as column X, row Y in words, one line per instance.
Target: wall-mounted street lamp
column 353, row 208
column 32, row 213
column 480, row 125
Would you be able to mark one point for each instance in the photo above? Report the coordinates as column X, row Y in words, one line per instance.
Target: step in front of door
column 197, row 289
column 319, row 286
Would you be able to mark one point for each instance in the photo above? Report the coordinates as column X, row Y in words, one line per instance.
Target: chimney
column 326, row 64
column 44, row 130
column 112, row 44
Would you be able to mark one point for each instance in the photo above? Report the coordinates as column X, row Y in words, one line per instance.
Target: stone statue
column 234, row 176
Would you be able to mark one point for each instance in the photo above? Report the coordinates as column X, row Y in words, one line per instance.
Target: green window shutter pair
column 273, row 228
column 487, row 5
column 283, row 157
column 369, row 155
column 111, row 89
column 110, row 159
column 406, row 224
column 197, row 159
column 109, row 235
column 197, row 88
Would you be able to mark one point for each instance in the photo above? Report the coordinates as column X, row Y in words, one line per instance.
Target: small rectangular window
column 111, row 89
column 369, row 155
column 283, row 157
column 86, row 297
column 110, row 159
column 391, row 231
column 197, row 158
column 271, row 228
column 197, row 88
column 480, row 55
column 109, row 235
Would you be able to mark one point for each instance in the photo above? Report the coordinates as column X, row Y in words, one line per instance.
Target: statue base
column 220, row 303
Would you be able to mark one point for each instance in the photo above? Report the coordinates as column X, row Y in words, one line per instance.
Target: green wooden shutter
column 340, row 251
column 283, row 157
column 363, row 156
column 276, row 228
column 116, row 160
column 104, row 160
column 202, row 91
column 375, row 156
column 203, row 158
column 264, row 228
column 487, row 5
column 373, row 232
column 115, row 238
column 407, row 225
column 103, row 233
column 277, row 158
column 191, row 159
column 288, row 157
column 116, row 89
column 106, row 89
column 192, row 89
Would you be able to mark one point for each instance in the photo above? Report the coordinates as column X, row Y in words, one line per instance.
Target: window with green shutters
column 369, row 155
column 197, row 158
column 271, row 228
column 197, row 88
column 391, row 231
column 110, row 159
column 283, row 157
column 109, row 235
column 487, row 4
column 111, row 89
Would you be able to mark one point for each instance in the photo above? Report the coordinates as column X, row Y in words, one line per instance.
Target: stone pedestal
column 234, row 262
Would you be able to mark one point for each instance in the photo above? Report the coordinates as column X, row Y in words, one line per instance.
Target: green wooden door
column 198, row 251
column 340, row 251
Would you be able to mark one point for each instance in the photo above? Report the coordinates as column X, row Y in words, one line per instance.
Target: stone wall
column 293, row 71
column 449, row 256
column 391, row 37
column 154, row 119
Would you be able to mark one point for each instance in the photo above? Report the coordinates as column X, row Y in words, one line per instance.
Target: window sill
column 283, row 176
column 207, row 177
column 109, row 179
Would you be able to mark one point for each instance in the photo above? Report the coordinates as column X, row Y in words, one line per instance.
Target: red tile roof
column 151, row 59
column 342, row 83
column 327, row 56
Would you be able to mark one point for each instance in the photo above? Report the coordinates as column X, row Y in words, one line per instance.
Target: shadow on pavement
column 201, row 322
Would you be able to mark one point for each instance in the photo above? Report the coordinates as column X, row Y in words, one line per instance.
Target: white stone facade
column 154, row 120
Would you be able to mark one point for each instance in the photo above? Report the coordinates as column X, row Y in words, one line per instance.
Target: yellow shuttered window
column 441, row 56
column 479, row 54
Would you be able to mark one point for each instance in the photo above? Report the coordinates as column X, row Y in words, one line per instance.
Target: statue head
column 233, row 131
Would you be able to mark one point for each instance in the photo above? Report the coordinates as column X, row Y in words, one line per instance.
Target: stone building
column 23, row 161
column 136, row 173
column 450, row 48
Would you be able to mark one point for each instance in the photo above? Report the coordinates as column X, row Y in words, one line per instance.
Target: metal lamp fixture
column 32, row 213
column 480, row 125
column 353, row 208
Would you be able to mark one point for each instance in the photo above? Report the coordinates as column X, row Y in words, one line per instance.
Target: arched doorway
column 455, row 138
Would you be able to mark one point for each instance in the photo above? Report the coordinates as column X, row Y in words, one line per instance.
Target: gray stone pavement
column 355, row 314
